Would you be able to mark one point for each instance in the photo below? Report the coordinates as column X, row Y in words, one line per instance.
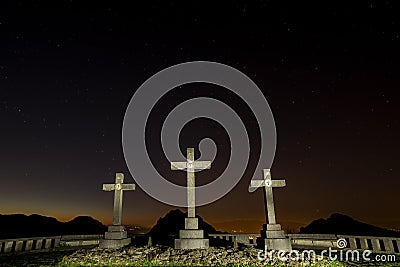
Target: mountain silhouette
column 344, row 225
column 20, row 225
column 167, row 228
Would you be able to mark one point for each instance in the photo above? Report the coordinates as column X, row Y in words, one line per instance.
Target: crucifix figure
column 118, row 188
column 191, row 166
column 268, row 184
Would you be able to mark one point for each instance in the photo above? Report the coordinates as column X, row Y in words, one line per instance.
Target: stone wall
column 373, row 243
column 246, row 239
column 376, row 244
column 324, row 241
column 46, row 243
column 299, row 241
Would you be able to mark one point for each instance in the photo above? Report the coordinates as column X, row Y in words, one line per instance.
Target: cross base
column 274, row 238
column 277, row 244
column 191, row 243
column 115, row 238
column 191, row 237
column 114, row 243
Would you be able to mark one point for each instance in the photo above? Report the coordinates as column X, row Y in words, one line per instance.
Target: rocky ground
column 160, row 255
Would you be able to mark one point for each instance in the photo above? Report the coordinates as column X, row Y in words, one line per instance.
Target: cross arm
column 128, row 187
column 274, row 183
column 108, row 187
column 257, row 183
column 178, row 166
column 278, row 183
column 202, row 165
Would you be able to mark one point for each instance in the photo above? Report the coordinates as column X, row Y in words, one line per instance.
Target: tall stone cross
column 190, row 166
column 118, row 188
column 268, row 184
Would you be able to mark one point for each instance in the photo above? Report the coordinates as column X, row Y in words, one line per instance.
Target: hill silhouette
column 345, row 225
column 20, row 225
column 167, row 228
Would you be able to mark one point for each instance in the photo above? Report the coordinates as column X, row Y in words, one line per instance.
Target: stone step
column 191, row 223
column 114, row 243
column 115, row 235
column 191, row 234
column 190, row 243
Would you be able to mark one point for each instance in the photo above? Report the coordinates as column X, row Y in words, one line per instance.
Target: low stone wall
column 376, row 244
column 313, row 241
column 27, row 244
column 299, row 241
column 246, row 239
column 80, row 240
column 324, row 241
column 48, row 242
column 373, row 243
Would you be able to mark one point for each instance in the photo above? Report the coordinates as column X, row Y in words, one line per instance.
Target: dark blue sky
column 329, row 73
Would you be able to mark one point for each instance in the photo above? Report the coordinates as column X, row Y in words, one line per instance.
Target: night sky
column 331, row 75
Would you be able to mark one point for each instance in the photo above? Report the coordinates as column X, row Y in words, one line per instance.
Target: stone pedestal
column 274, row 238
column 191, row 237
column 115, row 238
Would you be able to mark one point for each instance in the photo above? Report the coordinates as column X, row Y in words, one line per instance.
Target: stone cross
column 190, row 166
column 268, row 184
column 118, row 188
